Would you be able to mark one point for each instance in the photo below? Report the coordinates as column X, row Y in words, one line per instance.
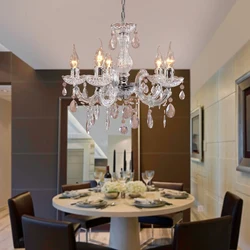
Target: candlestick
column 124, row 161
column 114, row 161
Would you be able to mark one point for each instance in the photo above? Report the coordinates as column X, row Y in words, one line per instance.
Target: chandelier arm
column 150, row 100
column 92, row 100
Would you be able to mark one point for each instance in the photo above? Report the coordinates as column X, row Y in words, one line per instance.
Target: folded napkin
column 74, row 193
column 174, row 193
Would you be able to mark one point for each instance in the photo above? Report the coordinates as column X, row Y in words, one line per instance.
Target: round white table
column 124, row 231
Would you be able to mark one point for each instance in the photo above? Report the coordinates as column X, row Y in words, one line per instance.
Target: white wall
column 217, row 174
column 5, row 151
column 231, row 35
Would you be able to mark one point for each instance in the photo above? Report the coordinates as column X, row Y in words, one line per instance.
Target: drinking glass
column 150, row 174
column 98, row 177
column 128, row 174
column 114, row 177
column 145, row 178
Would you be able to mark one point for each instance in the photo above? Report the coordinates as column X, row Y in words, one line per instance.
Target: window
column 243, row 90
column 247, row 123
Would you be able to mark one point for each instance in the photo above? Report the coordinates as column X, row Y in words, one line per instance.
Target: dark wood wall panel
column 167, row 151
column 5, row 67
column 35, row 110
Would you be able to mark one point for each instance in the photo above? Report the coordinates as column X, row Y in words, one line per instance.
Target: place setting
column 74, row 194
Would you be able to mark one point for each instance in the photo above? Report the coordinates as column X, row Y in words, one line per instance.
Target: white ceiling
column 42, row 32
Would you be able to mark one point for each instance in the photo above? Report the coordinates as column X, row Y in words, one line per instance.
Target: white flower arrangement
column 135, row 187
column 112, row 187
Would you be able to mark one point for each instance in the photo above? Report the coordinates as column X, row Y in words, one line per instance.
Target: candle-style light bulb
column 170, row 57
column 74, row 59
column 108, row 61
column 99, row 56
column 158, row 59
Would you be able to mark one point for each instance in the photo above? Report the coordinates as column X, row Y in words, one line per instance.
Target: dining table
column 124, row 228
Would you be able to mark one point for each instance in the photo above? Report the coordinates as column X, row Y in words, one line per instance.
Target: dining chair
column 233, row 205
column 47, row 234
column 163, row 221
column 18, row 206
column 87, row 222
column 212, row 234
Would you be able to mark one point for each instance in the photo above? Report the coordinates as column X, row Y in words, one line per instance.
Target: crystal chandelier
column 110, row 81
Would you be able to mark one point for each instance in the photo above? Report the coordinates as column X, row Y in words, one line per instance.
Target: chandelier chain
column 123, row 2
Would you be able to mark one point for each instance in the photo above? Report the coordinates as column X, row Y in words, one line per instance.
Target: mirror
column 93, row 151
column 101, row 143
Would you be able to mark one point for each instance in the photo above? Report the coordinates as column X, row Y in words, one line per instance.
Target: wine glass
column 150, row 174
column 98, row 177
column 128, row 175
column 145, row 178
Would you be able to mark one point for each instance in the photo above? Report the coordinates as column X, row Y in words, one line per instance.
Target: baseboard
column 3, row 208
column 4, row 211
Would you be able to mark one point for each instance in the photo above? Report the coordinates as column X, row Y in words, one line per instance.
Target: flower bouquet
column 135, row 188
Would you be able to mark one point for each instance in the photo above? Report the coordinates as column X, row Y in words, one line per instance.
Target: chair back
column 169, row 185
column 44, row 234
column 232, row 205
column 70, row 187
column 18, row 206
column 213, row 234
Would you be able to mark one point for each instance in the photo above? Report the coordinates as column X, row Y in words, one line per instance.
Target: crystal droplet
column 85, row 93
column 127, row 111
column 113, row 42
column 114, row 111
column 182, row 95
column 64, row 92
column 88, row 126
column 146, row 89
column 150, row 120
column 170, row 110
column 123, row 129
column 153, row 90
column 164, row 120
column 73, row 106
column 134, row 121
column 97, row 112
column 107, row 121
column 135, row 41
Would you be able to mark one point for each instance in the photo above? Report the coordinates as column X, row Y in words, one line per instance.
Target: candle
column 114, row 161
column 124, row 161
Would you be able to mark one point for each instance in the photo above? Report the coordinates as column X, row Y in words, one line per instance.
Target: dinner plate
column 150, row 205
column 91, row 204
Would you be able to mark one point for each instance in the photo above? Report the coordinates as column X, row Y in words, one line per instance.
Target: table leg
column 124, row 234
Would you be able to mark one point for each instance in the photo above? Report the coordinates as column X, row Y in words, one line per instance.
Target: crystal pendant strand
column 113, row 41
column 135, row 41
column 170, row 110
column 182, row 94
column 64, row 91
column 150, row 120
column 107, row 121
column 164, row 120
column 123, row 129
column 73, row 106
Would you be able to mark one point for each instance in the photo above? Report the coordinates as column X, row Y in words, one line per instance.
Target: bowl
column 112, row 195
column 134, row 195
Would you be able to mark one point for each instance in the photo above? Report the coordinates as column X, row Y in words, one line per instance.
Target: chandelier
column 112, row 88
